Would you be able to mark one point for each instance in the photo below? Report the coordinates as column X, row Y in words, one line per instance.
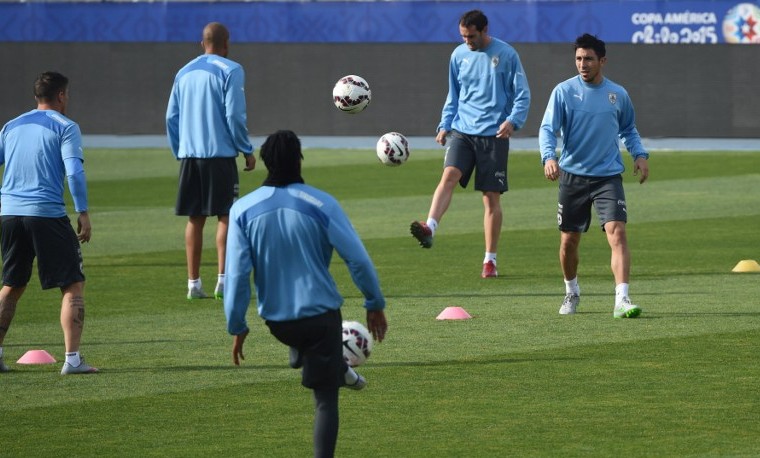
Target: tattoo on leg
column 78, row 302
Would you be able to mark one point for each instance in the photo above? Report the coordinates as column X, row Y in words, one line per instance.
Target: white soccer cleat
column 83, row 368
column 570, row 304
column 196, row 293
column 359, row 384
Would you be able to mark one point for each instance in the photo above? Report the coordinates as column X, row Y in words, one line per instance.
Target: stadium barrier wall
column 122, row 88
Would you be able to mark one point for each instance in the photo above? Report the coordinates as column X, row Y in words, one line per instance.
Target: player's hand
column 506, row 129
column 237, row 347
column 551, row 169
column 84, row 228
column 377, row 324
column 441, row 137
column 641, row 166
column 250, row 162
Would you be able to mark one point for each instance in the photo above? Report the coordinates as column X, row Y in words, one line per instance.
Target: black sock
column 325, row 422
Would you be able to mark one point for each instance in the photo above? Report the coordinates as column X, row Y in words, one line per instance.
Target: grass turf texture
column 517, row 379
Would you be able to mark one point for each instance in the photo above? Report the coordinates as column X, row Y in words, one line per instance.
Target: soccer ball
column 357, row 343
column 392, row 149
column 351, row 94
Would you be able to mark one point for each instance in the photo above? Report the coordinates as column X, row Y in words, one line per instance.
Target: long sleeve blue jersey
column 285, row 236
column 592, row 118
column 39, row 149
column 206, row 115
column 486, row 87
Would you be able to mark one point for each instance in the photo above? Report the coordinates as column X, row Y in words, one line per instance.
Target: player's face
column 472, row 38
column 589, row 65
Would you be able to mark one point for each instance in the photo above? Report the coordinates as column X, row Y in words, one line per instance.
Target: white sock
column 1, row 352
column 73, row 359
column 621, row 291
column 351, row 376
column 194, row 284
column 432, row 224
column 220, row 279
column 571, row 287
column 489, row 257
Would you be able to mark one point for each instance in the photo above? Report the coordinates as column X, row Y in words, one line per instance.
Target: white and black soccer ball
column 351, row 94
column 357, row 343
column 392, row 149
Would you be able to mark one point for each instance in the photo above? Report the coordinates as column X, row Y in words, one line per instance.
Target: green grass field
column 516, row 380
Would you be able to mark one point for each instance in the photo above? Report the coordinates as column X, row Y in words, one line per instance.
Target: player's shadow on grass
column 111, row 343
column 699, row 314
column 194, row 368
column 473, row 362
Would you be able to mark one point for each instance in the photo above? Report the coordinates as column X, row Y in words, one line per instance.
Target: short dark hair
column 281, row 153
column 588, row 41
column 48, row 85
column 474, row 17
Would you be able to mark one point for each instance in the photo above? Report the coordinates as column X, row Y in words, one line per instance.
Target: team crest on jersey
column 613, row 97
column 494, row 61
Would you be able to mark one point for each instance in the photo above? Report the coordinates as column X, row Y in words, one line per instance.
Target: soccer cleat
column 3, row 367
column 422, row 233
column 624, row 309
column 219, row 291
column 359, row 384
column 83, row 368
column 489, row 270
column 569, row 304
column 196, row 293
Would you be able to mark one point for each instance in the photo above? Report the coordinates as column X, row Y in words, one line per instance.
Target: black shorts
column 487, row 156
column 319, row 339
column 207, row 187
column 577, row 193
column 54, row 243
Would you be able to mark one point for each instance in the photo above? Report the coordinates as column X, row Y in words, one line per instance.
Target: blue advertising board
column 529, row 21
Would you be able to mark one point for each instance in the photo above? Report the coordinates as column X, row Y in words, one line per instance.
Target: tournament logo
column 742, row 24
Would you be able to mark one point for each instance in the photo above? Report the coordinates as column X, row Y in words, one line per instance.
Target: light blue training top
column 591, row 119
column 486, row 87
column 40, row 148
column 286, row 236
column 206, row 115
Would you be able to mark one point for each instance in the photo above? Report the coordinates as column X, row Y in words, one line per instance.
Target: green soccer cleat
column 625, row 309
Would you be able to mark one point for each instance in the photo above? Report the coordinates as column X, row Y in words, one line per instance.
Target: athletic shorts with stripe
column 577, row 194
column 51, row 240
column 486, row 156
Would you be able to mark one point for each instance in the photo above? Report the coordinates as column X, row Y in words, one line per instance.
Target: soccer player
column 285, row 232
column 488, row 100
column 592, row 113
column 206, row 126
column 40, row 148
